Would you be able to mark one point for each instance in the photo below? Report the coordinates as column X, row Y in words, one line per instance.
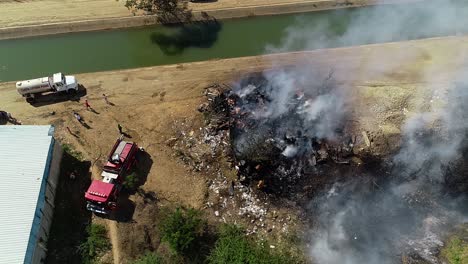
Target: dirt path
column 21, row 13
column 114, row 238
column 21, row 19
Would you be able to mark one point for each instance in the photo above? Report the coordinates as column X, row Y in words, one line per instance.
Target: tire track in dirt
column 114, row 238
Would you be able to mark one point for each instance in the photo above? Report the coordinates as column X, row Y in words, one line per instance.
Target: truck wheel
column 30, row 100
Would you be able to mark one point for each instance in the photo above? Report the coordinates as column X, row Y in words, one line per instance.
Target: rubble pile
column 236, row 202
column 273, row 148
column 199, row 149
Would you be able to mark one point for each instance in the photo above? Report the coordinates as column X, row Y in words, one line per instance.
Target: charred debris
column 281, row 153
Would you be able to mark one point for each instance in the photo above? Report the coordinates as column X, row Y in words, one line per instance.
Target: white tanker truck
column 56, row 83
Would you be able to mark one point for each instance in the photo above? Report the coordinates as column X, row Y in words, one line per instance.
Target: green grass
column 234, row 247
column 149, row 258
column 456, row 251
column 72, row 151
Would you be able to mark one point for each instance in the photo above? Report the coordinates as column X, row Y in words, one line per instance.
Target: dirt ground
column 387, row 81
column 34, row 12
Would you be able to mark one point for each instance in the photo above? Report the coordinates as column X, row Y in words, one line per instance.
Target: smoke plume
column 365, row 223
column 364, row 220
column 384, row 23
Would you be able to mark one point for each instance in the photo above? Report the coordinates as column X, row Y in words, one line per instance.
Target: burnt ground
column 250, row 192
column 265, row 176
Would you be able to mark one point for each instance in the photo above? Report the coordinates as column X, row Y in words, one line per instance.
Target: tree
column 167, row 10
column 95, row 244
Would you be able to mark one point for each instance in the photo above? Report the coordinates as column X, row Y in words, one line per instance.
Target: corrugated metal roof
column 23, row 156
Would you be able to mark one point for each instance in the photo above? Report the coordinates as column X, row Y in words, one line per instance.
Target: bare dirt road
column 114, row 238
column 42, row 17
column 388, row 82
column 20, row 13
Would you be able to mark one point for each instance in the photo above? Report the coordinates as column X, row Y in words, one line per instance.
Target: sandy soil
column 14, row 13
column 387, row 81
column 27, row 12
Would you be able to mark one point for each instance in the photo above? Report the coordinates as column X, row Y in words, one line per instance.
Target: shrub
column 72, row 152
column 234, row 247
column 149, row 258
column 456, row 251
column 95, row 244
column 181, row 228
column 131, row 181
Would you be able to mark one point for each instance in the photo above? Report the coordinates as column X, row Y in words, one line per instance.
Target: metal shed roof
column 24, row 152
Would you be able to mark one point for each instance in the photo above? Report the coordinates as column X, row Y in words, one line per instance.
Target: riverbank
column 21, row 19
column 377, row 65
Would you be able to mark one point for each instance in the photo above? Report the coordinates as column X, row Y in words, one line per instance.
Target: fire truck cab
column 102, row 195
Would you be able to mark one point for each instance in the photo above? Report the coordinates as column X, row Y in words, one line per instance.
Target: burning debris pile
column 282, row 127
column 273, row 128
column 199, row 149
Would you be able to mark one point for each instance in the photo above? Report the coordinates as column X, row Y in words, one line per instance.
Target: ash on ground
column 275, row 148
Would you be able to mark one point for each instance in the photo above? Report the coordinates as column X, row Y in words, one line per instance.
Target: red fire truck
column 102, row 195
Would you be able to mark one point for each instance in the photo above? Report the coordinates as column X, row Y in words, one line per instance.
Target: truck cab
column 102, row 195
column 58, row 82
column 61, row 82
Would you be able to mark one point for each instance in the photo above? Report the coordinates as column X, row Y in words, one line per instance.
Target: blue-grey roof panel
column 23, row 157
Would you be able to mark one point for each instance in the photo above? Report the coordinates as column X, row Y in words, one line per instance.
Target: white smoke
column 410, row 212
column 361, row 221
column 384, row 23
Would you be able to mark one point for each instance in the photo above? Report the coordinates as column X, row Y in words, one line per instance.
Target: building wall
column 37, row 249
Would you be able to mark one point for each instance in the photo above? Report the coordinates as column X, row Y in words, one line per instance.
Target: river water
column 158, row 45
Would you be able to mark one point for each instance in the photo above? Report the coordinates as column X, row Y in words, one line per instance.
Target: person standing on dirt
column 87, row 104
column 78, row 117
column 120, row 128
column 105, row 99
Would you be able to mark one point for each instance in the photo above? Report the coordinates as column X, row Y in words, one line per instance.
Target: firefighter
column 88, row 106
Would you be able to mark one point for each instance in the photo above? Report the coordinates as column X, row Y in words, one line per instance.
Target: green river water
column 157, row 45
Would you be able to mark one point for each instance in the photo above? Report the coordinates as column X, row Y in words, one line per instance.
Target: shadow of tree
column 199, row 34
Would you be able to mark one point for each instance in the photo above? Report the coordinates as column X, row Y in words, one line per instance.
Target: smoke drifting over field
column 360, row 221
column 373, row 224
column 290, row 108
column 371, row 25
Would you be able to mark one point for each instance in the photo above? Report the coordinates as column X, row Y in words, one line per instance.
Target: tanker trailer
column 31, row 89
